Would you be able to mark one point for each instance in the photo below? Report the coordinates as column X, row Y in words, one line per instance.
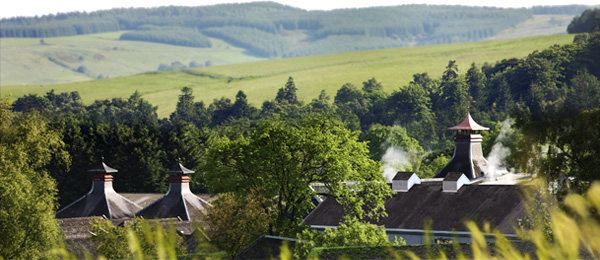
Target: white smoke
column 495, row 165
column 394, row 160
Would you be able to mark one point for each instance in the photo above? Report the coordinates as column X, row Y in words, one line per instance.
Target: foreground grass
column 260, row 80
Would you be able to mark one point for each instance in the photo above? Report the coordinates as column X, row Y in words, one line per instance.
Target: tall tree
column 476, row 81
column 288, row 93
column 451, row 71
column 410, row 107
column 190, row 111
column 28, row 228
column 282, row 158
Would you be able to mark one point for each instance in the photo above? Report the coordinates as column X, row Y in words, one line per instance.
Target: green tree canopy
column 27, row 194
column 588, row 21
column 282, row 158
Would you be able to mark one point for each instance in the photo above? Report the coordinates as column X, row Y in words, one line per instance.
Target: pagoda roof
column 179, row 169
column 468, row 124
column 102, row 168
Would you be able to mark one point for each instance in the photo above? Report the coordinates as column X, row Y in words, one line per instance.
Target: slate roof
column 500, row 205
column 453, row 176
column 402, row 176
column 178, row 202
column 186, row 206
column 145, row 199
column 101, row 200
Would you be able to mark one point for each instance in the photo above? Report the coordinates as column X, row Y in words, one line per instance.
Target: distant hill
column 272, row 30
column 394, row 68
column 95, row 56
column 169, row 38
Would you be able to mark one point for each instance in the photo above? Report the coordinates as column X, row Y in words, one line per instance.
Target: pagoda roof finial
column 102, row 168
column 468, row 124
column 179, row 169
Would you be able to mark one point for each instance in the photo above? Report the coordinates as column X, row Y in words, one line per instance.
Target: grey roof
column 403, row 176
column 101, row 200
column 453, row 176
column 145, row 199
column 500, row 205
column 178, row 202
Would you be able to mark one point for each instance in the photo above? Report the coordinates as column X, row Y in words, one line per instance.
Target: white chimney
column 403, row 181
column 453, row 181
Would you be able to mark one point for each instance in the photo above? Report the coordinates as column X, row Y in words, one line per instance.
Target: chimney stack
column 468, row 154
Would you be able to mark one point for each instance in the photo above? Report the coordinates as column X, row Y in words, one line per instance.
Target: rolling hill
column 73, row 47
column 27, row 61
column 260, row 80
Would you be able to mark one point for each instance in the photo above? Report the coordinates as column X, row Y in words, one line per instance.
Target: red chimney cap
column 468, row 124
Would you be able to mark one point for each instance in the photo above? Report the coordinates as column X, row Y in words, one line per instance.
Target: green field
column 26, row 60
column 260, row 80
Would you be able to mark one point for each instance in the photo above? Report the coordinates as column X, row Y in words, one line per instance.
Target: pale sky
column 13, row 8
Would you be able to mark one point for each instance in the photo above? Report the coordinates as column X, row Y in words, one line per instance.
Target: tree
column 27, row 194
column 452, row 104
column 283, row 157
column 288, row 93
column 190, row 111
column 381, row 138
column 241, row 108
column 570, row 146
column 410, row 107
column 476, row 82
column 322, row 103
column 588, row 21
column 451, row 71
column 235, row 221
column 350, row 233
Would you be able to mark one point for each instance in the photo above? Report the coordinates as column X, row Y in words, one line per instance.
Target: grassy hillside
column 538, row 25
column 260, row 80
column 27, row 60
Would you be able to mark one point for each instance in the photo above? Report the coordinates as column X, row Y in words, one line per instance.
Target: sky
column 12, row 8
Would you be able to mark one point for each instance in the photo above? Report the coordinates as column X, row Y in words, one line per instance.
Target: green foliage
column 410, row 107
column 569, row 145
column 281, row 158
column 27, row 194
column 169, row 35
column 350, row 233
column 430, row 166
column 259, row 81
column 588, row 21
column 236, row 221
column 258, row 42
column 287, row 93
column 381, row 138
column 137, row 239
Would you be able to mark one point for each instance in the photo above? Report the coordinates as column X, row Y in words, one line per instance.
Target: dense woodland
column 552, row 87
column 588, row 21
column 268, row 29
